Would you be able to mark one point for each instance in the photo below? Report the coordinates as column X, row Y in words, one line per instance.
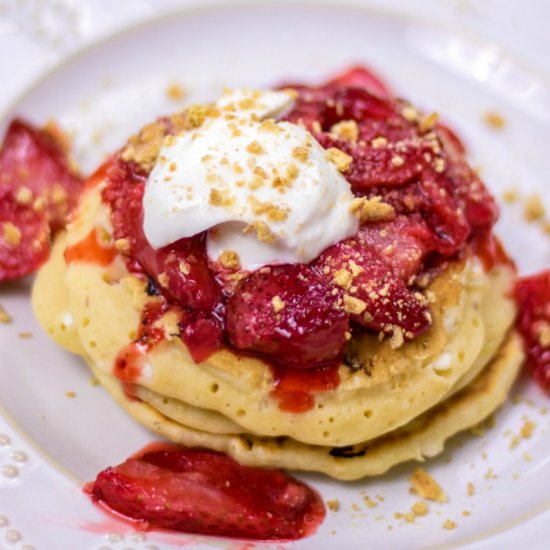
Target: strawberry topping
column 288, row 314
column 204, row 492
column 38, row 189
column 373, row 296
column 300, row 316
column 533, row 298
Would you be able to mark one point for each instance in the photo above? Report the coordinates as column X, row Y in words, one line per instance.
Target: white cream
column 264, row 189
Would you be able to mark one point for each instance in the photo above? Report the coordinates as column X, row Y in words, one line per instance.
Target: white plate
column 109, row 90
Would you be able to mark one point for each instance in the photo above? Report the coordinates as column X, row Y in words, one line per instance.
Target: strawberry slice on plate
column 38, row 190
column 204, row 492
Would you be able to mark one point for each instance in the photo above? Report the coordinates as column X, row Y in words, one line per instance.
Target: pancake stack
column 391, row 405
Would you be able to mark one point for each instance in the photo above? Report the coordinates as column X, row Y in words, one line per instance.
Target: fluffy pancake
column 423, row 437
column 385, row 388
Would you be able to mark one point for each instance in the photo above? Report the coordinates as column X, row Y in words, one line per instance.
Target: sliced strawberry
column 24, row 237
column 202, row 335
column 180, row 268
column 533, row 298
column 37, row 192
column 204, row 492
column 375, row 297
column 35, row 160
column 360, row 77
column 290, row 315
column 401, row 244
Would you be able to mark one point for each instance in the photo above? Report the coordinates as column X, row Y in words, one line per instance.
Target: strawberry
column 533, row 298
column 288, row 314
column 38, row 189
column 374, row 296
column 204, row 492
column 401, row 244
column 181, row 268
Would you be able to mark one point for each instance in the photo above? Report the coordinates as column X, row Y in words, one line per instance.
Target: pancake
column 422, row 438
column 231, row 394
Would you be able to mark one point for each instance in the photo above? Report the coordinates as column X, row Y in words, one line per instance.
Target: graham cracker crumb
column 424, row 485
column 333, row 505
column 428, row 123
column 220, row 198
column 407, row 516
column 175, row 92
column 369, row 502
column 300, row 153
column 510, row 195
column 184, row 267
column 263, row 232
column 230, row 259
column 397, row 338
column 420, row 508
column 378, row 142
column 255, row 148
column 277, row 303
column 397, row 161
column 449, row 524
column 533, row 209
column 163, row 280
column 354, row 305
column 345, row 129
column 25, row 335
column 11, row 234
column 343, row 278
column 341, row 160
column 70, row 394
column 543, row 330
column 409, row 113
column 5, row 317
column 123, row 246
column 466, row 513
column 94, row 381
column 371, row 210
column 527, row 429
column 494, row 120
column 24, row 196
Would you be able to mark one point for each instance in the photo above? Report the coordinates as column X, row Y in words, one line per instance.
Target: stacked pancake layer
column 391, row 405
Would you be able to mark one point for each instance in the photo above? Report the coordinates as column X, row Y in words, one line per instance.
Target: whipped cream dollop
column 265, row 190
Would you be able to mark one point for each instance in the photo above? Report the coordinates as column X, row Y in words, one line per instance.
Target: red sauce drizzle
column 533, row 298
column 294, row 388
column 90, row 249
column 206, row 492
column 132, row 357
column 490, row 251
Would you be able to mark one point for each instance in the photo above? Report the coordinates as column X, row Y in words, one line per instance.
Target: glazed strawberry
column 24, row 237
column 533, row 298
column 204, row 492
column 180, row 269
column 359, row 77
column 373, row 295
column 35, row 160
column 401, row 244
column 288, row 314
column 202, row 335
column 37, row 191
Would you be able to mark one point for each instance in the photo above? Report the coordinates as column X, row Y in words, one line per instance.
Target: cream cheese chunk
column 263, row 189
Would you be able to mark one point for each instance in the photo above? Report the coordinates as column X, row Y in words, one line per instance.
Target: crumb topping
column 371, row 210
column 424, row 485
column 277, row 303
column 333, row 505
column 5, row 317
column 230, row 260
column 175, row 92
column 341, row 160
column 354, row 305
column 263, row 233
column 346, row 130
column 494, row 120
column 11, row 234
